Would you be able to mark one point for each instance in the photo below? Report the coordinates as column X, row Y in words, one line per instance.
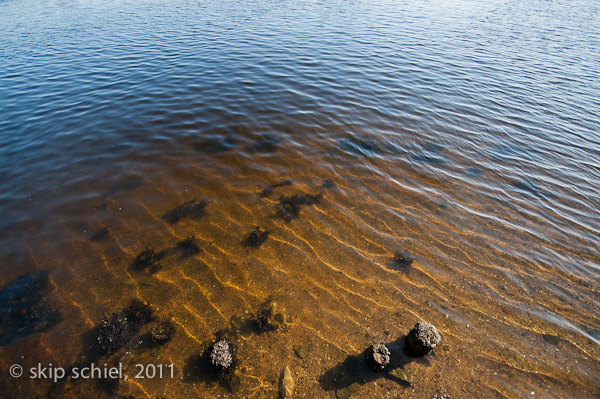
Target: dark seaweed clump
column 162, row 332
column 188, row 247
column 256, row 237
column 289, row 207
column 23, row 308
column 118, row 329
column 216, row 144
column 327, row 184
column 147, row 260
column 193, row 209
column 360, row 146
column 268, row 318
column 100, row 235
column 127, row 184
column 266, row 143
column 402, row 260
column 269, row 189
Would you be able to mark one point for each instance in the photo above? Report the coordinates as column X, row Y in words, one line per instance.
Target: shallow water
column 463, row 135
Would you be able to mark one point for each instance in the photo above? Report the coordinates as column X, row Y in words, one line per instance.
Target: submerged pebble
column 222, row 354
column 422, row 339
column 287, row 384
column 379, row 357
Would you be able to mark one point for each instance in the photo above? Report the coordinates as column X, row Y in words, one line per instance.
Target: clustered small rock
column 222, row 354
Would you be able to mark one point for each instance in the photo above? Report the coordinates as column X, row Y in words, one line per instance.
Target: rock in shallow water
column 379, row 357
column 422, row 339
column 222, row 354
column 287, row 384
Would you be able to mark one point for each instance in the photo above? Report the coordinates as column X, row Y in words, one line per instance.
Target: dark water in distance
column 464, row 133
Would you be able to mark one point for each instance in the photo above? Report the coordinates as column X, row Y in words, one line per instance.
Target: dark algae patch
column 215, row 144
column 147, row 260
column 288, row 208
column 129, row 183
column 256, row 237
column 162, row 332
column 119, row 328
column 266, row 143
column 24, row 309
column 268, row 318
column 193, row 209
column 402, row 261
column 100, row 235
column 266, row 191
column 187, row 247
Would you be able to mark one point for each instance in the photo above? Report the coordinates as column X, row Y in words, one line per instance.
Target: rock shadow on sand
column 349, row 376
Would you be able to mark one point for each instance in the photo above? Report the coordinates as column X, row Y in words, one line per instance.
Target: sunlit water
column 462, row 134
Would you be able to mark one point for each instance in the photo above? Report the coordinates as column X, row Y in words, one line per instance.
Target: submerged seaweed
column 162, row 332
column 147, row 260
column 269, row 189
column 288, row 208
column 187, row 247
column 129, row 183
column 193, row 209
column 266, row 143
column 100, row 235
column 215, row 144
column 23, row 308
column 402, row 260
column 327, row 184
column 119, row 328
column 256, row 237
column 268, row 318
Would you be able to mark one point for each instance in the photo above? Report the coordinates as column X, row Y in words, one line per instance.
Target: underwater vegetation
column 288, row 207
column 126, row 184
column 360, row 146
column 215, row 144
column 402, row 261
column 148, row 261
column 187, row 247
column 162, row 332
column 269, row 189
column 266, row 143
column 268, row 318
column 430, row 154
column 193, row 209
column 256, row 237
column 100, row 235
column 119, row 328
column 24, row 309
column 327, row 184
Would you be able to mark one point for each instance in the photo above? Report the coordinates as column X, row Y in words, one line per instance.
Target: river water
column 461, row 135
